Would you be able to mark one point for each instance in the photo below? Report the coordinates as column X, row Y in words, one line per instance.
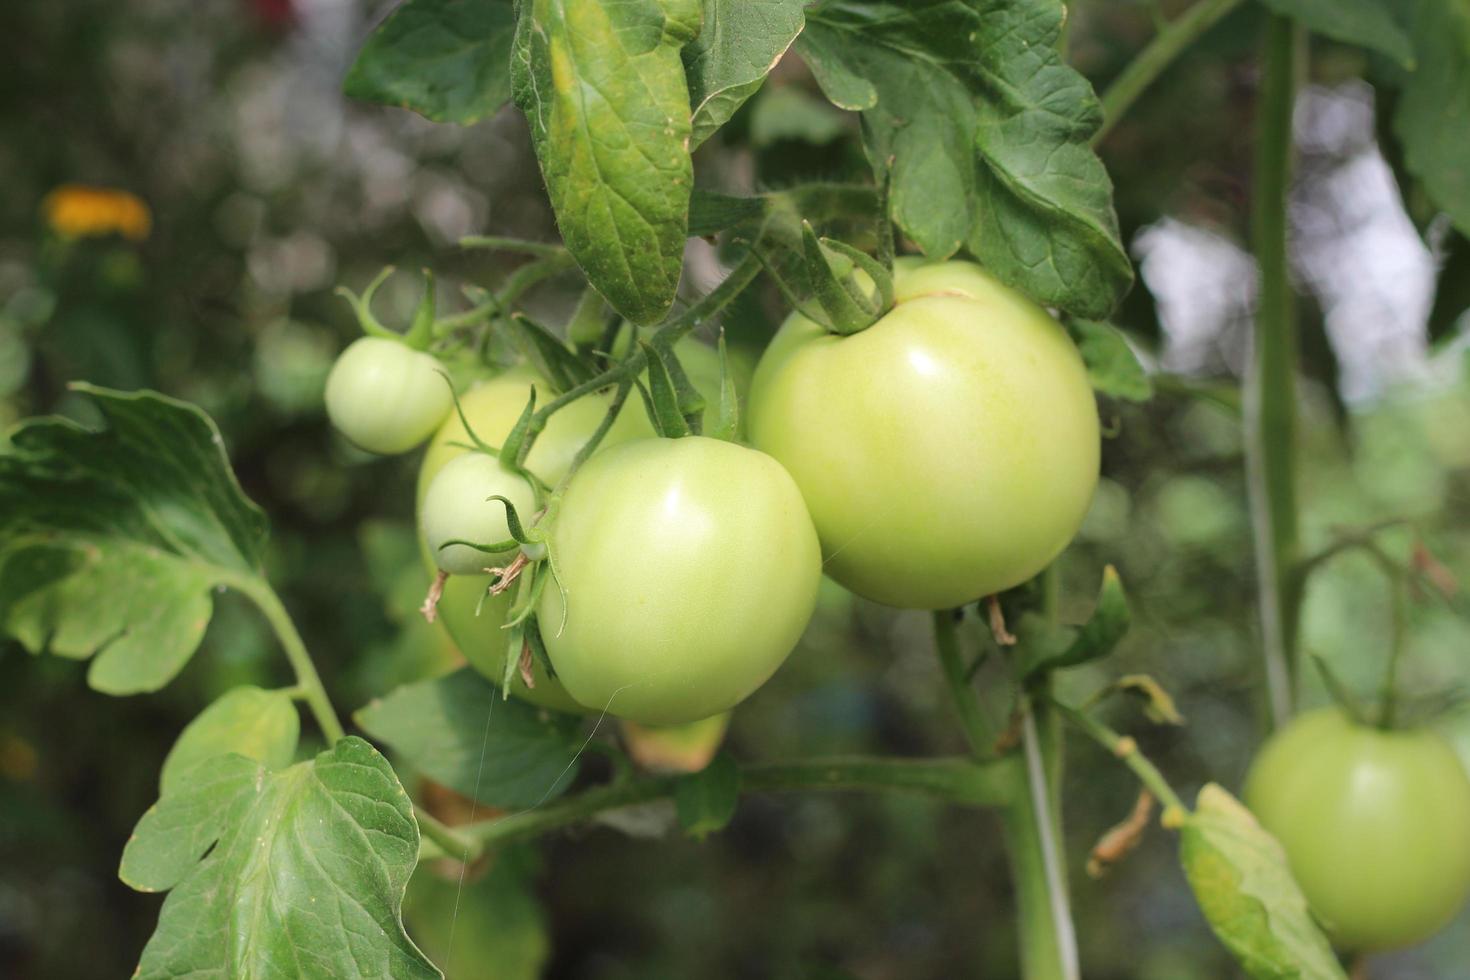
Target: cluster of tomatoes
column 947, row 452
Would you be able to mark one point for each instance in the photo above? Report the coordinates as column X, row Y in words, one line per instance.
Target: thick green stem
column 1151, row 62
column 308, row 681
column 1048, row 938
column 450, row 842
column 955, row 780
column 1270, row 404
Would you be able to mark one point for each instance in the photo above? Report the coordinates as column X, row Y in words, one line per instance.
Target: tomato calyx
column 854, row 289
column 420, row 331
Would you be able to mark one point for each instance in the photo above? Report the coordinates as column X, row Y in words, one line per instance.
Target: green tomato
column 386, row 397
column 690, row 569
column 1375, row 824
column 458, row 507
column 492, row 409
column 947, row 452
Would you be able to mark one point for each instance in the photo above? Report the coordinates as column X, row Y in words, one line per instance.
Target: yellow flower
column 77, row 211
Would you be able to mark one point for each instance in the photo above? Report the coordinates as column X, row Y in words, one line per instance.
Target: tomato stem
column 450, row 841
column 1126, row 750
column 308, row 681
column 1270, row 392
column 1153, row 60
column 956, row 780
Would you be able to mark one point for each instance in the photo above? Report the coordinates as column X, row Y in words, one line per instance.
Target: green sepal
column 510, row 453
column 528, row 593
column 363, row 306
column 830, row 265
column 1093, row 640
column 514, row 644
column 421, row 330
column 548, row 353
column 537, row 645
column 513, row 521
column 663, row 397
column 727, row 420
column 498, row 548
column 1338, row 691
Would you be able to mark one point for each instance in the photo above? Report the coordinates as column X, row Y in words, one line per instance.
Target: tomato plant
column 727, row 577
column 832, row 288
column 1373, row 823
column 947, row 452
column 385, row 397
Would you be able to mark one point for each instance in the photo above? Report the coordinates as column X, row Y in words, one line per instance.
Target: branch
column 1151, row 62
column 955, row 780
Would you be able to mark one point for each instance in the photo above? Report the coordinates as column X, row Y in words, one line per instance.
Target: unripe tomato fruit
column 1375, row 824
column 690, row 568
column 457, row 507
column 492, row 408
column 386, row 397
column 947, row 452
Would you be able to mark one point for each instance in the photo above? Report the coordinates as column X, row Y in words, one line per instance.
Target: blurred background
column 233, row 187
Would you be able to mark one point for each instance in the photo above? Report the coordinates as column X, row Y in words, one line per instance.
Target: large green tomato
column 386, row 397
column 492, row 409
column 690, row 568
column 1376, row 826
column 947, row 452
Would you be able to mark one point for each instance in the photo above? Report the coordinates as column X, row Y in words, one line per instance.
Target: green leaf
column 259, row 725
column 1112, row 366
column 448, row 60
column 296, row 873
column 1240, row 879
column 1053, row 647
column 741, row 42
column 789, row 113
column 983, row 130
column 603, row 88
column 727, row 413
column 112, row 539
column 1432, row 120
column 706, row 800
column 1366, row 23
column 458, row 731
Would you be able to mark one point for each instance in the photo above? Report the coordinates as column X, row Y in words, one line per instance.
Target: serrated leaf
column 1112, row 367
column 603, row 88
column 458, row 731
column 1432, row 119
column 1047, row 646
column 247, row 721
column 448, row 60
column 741, row 42
column 983, row 131
column 296, row 873
column 1239, row 876
column 706, row 800
column 1366, row 23
column 111, row 539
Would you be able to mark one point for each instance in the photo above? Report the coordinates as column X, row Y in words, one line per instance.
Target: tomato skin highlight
column 690, row 568
column 948, row 452
column 492, row 408
column 1375, row 824
column 385, row 397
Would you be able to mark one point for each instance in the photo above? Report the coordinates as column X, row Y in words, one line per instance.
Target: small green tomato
column 385, row 397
